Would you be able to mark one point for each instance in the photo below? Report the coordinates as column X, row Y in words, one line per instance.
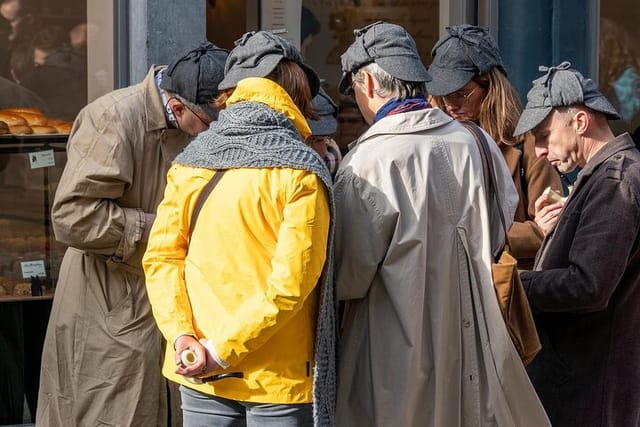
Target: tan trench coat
column 423, row 340
column 102, row 353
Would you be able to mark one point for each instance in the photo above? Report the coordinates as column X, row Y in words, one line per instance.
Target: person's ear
column 368, row 84
column 177, row 107
column 581, row 122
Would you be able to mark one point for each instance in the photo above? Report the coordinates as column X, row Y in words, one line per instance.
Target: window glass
column 326, row 29
column 43, row 56
column 619, row 62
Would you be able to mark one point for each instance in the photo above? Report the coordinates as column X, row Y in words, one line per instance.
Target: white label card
column 33, row 268
column 42, row 159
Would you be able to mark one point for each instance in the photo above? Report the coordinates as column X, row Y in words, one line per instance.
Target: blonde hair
column 500, row 109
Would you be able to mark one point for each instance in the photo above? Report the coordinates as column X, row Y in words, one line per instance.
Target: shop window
column 619, row 62
column 326, row 27
column 44, row 51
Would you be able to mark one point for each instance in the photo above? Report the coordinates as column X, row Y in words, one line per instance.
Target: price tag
column 42, row 159
column 33, row 268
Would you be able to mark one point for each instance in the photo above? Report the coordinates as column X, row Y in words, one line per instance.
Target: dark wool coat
column 586, row 298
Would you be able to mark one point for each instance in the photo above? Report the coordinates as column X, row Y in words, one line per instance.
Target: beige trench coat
column 102, row 353
column 423, row 341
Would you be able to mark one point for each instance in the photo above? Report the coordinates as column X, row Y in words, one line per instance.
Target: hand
column 199, row 367
column 547, row 213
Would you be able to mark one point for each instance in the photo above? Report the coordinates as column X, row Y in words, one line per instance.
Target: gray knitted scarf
column 252, row 135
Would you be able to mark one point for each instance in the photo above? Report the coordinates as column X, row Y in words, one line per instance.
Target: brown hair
column 292, row 78
column 500, row 109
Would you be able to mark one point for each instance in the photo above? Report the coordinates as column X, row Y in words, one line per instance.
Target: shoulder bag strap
column 490, row 174
column 204, row 195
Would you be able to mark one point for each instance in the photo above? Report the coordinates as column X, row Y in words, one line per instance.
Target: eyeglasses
column 205, row 122
column 458, row 98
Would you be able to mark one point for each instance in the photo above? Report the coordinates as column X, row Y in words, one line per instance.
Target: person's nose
column 541, row 150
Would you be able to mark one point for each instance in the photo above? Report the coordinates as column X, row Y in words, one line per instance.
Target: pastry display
column 20, row 130
column 28, row 121
column 12, row 119
column 43, row 129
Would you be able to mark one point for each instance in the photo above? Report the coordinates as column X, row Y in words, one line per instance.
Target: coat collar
column 155, row 118
column 413, row 121
column 620, row 143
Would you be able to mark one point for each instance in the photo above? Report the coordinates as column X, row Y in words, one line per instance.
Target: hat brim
column 263, row 69
column 405, row 68
column 530, row 118
column 345, row 82
column 446, row 80
column 209, row 110
column 324, row 127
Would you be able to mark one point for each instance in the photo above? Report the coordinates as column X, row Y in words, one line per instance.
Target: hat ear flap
column 565, row 89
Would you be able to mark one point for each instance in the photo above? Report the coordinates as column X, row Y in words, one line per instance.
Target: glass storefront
column 326, row 30
column 619, row 62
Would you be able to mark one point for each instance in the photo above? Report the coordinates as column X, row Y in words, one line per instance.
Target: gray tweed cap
column 327, row 124
column 256, row 55
column 388, row 45
column 561, row 86
column 464, row 51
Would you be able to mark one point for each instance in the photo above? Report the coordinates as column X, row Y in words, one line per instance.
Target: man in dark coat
column 585, row 290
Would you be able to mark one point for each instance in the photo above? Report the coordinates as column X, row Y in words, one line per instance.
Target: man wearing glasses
column 102, row 353
column 423, row 341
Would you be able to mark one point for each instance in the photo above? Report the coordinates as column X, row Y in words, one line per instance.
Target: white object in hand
column 553, row 196
column 188, row 357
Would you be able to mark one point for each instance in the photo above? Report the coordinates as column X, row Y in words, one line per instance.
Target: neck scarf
column 396, row 106
column 258, row 89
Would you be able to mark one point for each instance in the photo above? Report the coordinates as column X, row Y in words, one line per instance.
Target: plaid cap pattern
column 388, row 45
column 464, row 51
column 257, row 53
column 561, row 86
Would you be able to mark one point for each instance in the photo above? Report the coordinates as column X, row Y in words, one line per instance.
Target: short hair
column 293, row 79
column 390, row 86
column 189, row 104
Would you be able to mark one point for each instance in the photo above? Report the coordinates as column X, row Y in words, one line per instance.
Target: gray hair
column 390, row 86
column 191, row 105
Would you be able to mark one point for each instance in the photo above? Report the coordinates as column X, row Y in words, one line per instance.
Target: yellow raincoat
column 248, row 281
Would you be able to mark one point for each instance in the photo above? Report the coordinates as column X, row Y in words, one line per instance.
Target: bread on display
column 28, row 120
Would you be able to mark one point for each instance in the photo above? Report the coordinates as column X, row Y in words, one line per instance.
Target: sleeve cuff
column 208, row 344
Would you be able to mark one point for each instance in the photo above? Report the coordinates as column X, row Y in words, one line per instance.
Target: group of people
column 208, row 213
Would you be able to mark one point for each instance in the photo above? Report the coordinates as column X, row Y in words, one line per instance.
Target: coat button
column 466, row 323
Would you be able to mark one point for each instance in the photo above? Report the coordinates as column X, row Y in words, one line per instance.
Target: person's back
column 423, row 340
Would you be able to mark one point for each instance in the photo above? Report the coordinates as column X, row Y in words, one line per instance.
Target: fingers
column 190, row 357
column 548, row 217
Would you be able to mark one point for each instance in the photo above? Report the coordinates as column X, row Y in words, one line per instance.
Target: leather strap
column 489, row 172
column 204, row 195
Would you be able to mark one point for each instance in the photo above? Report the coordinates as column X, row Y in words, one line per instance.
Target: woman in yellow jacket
column 245, row 288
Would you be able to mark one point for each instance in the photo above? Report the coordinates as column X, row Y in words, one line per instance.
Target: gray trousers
column 203, row 410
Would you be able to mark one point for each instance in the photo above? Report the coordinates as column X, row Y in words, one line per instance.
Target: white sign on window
column 33, row 268
column 282, row 14
column 42, row 159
